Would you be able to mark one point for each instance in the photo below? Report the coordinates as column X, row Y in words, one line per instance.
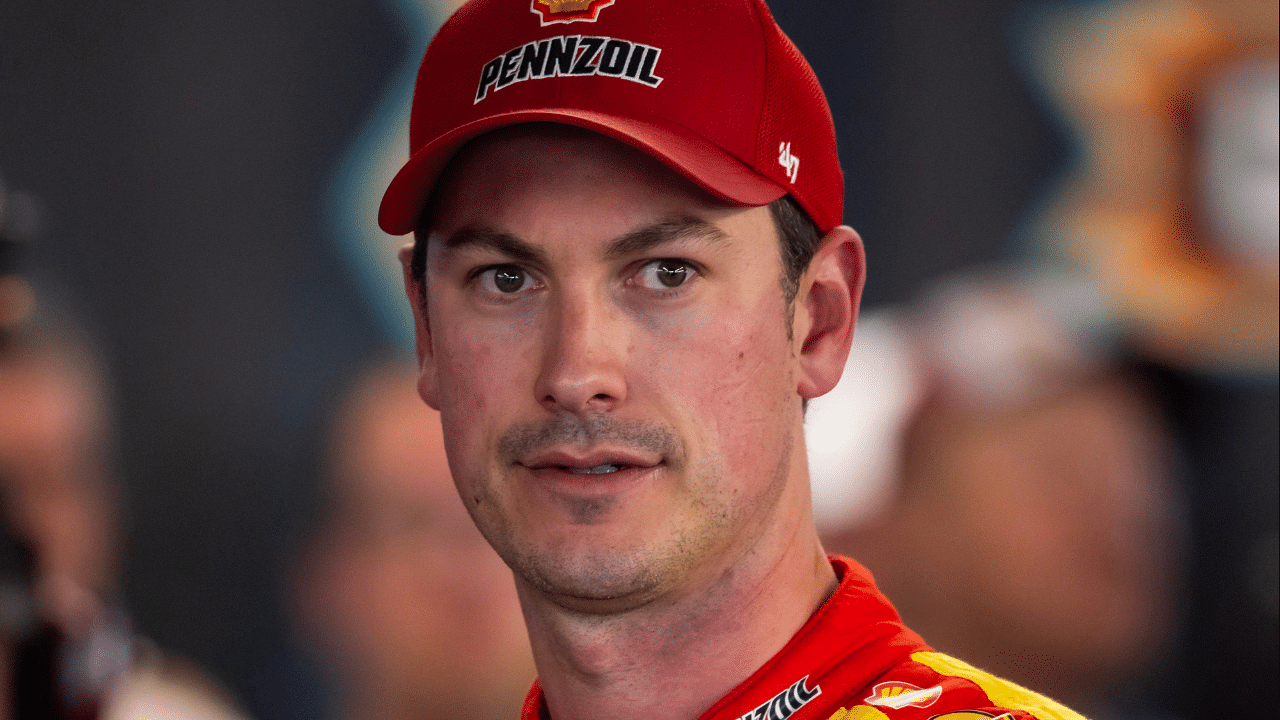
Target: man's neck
column 675, row 657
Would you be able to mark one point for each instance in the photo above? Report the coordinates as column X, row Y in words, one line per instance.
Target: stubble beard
column 608, row 579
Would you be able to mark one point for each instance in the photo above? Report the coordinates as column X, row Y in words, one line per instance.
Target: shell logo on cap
column 567, row 11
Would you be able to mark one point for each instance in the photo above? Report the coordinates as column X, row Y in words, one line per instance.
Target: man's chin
column 592, row 587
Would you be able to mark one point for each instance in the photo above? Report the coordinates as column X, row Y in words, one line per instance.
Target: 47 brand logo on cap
column 789, row 162
column 567, row 11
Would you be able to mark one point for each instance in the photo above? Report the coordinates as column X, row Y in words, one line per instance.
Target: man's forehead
column 530, row 137
column 518, row 150
column 534, row 161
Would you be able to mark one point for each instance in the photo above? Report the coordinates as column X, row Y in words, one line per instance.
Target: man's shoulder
column 855, row 660
column 933, row 686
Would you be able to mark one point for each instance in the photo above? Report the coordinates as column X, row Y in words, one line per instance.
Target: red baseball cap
column 712, row 88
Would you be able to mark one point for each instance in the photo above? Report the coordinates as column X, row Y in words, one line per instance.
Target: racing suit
column 855, row 660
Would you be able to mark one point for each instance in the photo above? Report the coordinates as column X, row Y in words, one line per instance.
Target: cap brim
column 710, row 167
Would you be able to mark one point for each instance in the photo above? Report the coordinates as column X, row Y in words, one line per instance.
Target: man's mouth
column 600, row 462
column 597, row 470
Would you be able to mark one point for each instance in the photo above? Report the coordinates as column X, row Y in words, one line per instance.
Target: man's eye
column 665, row 274
column 506, row 278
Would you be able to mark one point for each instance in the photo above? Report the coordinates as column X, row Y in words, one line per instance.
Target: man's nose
column 583, row 368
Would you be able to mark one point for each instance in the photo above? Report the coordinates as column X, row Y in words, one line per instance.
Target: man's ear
column 826, row 310
column 413, row 287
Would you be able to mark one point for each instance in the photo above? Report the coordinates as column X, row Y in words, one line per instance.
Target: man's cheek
column 473, row 363
column 738, row 359
column 726, row 371
column 472, row 378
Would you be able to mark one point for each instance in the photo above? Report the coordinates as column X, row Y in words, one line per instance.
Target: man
column 408, row 606
column 621, row 354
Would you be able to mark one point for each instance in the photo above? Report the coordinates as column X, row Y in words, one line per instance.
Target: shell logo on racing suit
column 897, row 695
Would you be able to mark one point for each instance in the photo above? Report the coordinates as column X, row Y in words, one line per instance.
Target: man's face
column 609, row 348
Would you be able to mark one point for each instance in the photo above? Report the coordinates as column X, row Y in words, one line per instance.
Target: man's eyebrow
column 637, row 241
column 669, row 230
column 500, row 242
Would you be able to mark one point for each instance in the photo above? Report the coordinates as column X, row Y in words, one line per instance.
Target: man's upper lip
column 586, row 459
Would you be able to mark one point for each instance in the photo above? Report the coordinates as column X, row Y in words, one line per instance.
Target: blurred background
column 1070, row 214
